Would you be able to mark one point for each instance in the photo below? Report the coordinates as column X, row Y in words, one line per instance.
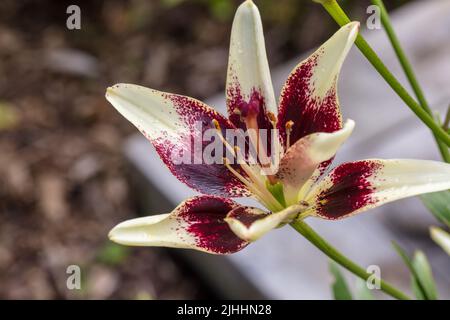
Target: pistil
column 249, row 115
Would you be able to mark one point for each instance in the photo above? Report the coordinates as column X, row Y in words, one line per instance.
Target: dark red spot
column 351, row 189
column 298, row 104
column 205, row 217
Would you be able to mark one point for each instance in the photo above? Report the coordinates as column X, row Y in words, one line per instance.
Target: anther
column 216, row 124
column 288, row 126
column 272, row 117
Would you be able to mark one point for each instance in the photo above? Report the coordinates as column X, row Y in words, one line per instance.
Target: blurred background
column 64, row 181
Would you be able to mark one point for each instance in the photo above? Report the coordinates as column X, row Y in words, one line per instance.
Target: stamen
column 275, row 145
column 288, row 126
column 252, row 123
column 224, row 141
column 235, row 151
column 260, row 195
column 216, row 124
column 247, row 169
column 254, row 184
column 237, row 174
column 272, row 119
column 249, row 112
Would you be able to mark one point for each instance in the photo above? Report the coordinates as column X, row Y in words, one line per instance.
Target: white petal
column 151, row 111
column 152, row 230
column 303, row 158
column 248, row 69
column 250, row 224
column 331, row 56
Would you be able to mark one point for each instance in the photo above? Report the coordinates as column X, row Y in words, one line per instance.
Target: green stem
column 342, row 19
column 406, row 65
column 446, row 124
column 443, row 147
column 306, row 231
column 407, row 68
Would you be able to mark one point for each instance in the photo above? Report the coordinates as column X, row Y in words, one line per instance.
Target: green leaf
column 9, row 117
column 112, row 254
column 441, row 237
column 339, row 286
column 439, row 205
column 362, row 292
column 423, row 269
column 423, row 284
column 416, row 289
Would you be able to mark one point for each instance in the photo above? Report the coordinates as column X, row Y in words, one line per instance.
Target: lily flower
column 309, row 131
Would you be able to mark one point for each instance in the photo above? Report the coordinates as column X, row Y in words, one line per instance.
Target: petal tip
column 109, row 91
column 349, row 125
column 248, row 7
column 114, row 89
column 113, row 236
column 116, row 234
column 249, row 4
column 354, row 29
column 349, row 32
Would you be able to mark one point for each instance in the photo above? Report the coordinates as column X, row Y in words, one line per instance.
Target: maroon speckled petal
column 205, row 222
column 347, row 189
column 309, row 97
column 197, row 223
column 309, row 113
column 214, row 179
column 355, row 187
column 172, row 123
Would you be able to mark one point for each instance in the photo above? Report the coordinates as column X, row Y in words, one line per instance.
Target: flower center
column 249, row 113
column 253, row 179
